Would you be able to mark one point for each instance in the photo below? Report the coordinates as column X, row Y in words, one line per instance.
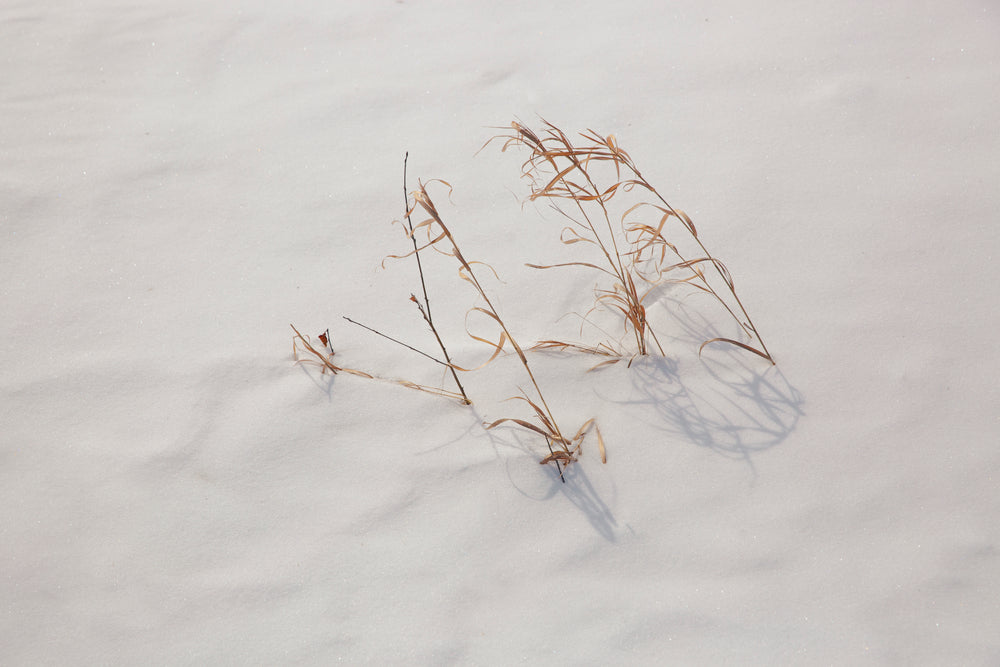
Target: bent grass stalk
column 562, row 450
column 425, row 308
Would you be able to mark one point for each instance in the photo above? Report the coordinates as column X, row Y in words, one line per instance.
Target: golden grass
column 562, row 450
column 582, row 180
column 612, row 210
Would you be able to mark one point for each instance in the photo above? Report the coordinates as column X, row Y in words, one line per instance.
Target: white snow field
column 181, row 181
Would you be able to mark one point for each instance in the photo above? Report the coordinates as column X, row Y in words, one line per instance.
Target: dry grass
column 323, row 358
column 633, row 234
column 610, row 206
column 424, row 306
column 562, row 450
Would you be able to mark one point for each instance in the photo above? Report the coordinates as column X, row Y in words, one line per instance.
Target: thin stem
column 548, row 442
column 425, row 310
column 427, row 318
column 416, row 250
column 398, row 342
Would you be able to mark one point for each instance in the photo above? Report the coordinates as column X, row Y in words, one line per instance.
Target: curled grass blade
column 737, row 344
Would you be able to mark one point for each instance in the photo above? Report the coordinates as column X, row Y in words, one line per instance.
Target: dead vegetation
column 630, row 231
column 562, row 450
column 594, row 184
column 306, row 353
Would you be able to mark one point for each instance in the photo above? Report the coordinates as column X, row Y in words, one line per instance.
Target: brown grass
column 632, row 232
column 562, row 450
column 424, row 306
column 323, row 357
column 634, row 253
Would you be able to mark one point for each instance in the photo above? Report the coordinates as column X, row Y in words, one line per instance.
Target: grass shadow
column 735, row 407
column 577, row 488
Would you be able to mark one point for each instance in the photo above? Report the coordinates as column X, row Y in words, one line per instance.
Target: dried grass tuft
column 586, row 182
column 612, row 210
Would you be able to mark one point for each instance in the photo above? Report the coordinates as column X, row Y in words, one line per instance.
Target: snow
column 180, row 182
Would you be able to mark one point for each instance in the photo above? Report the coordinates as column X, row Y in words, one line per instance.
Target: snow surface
column 180, row 181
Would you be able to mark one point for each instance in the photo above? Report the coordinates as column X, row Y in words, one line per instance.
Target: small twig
column 425, row 309
column 416, row 249
column 398, row 342
column 543, row 412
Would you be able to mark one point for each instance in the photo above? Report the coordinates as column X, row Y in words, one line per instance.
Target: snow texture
column 181, row 181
